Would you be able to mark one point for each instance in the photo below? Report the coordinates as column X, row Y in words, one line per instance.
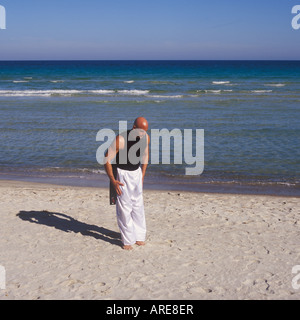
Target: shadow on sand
column 66, row 223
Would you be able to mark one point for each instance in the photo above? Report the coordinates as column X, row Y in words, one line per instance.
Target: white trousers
column 130, row 207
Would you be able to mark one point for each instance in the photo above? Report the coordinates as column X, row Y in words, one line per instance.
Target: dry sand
column 60, row 242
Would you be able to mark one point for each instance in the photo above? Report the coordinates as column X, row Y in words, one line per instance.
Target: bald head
column 140, row 123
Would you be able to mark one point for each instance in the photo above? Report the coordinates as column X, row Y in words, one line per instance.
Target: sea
column 249, row 111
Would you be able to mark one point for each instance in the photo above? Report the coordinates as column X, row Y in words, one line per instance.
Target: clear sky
column 149, row 29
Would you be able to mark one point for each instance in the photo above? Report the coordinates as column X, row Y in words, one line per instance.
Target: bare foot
column 140, row 243
column 127, row 247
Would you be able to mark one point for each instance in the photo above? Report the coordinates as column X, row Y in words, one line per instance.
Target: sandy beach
column 61, row 242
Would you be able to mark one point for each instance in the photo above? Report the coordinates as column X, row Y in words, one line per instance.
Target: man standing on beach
column 130, row 150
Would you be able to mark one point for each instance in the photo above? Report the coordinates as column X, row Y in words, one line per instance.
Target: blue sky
column 149, row 29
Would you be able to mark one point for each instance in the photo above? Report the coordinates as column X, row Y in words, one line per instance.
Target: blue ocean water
column 51, row 111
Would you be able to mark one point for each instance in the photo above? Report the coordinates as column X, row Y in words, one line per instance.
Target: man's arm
column 110, row 155
column 145, row 158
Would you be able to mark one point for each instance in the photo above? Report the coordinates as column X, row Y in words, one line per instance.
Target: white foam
column 43, row 93
column 221, row 82
column 88, row 170
column 47, row 93
column 57, row 81
column 212, row 91
column 275, row 85
column 261, row 91
column 101, row 91
column 20, row 81
column 167, row 97
column 129, row 81
column 134, row 92
column 61, row 92
column 36, row 93
column 9, row 93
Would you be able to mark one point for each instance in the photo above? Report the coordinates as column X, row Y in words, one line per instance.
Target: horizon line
column 21, row 60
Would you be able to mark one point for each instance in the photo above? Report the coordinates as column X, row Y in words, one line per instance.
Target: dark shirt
column 128, row 144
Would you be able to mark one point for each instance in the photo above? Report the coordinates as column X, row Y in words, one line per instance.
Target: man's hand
column 117, row 185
